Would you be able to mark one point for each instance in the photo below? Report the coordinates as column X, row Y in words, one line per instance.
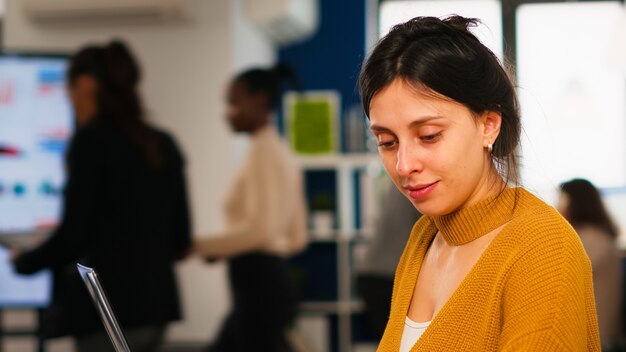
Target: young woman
column 266, row 221
column 126, row 211
column 488, row 267
column 580, row 203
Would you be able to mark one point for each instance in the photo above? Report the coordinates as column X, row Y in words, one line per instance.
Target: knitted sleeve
column 546, row 297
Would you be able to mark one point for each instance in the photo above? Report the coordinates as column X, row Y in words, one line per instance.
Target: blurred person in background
column 581, row 204
column 376, row 270
column 125, row 209
column 266, row 220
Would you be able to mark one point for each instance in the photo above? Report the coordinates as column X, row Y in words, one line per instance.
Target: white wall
column 250, row 49
column 186, row 67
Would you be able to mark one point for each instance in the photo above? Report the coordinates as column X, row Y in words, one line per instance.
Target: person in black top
column 125, row 210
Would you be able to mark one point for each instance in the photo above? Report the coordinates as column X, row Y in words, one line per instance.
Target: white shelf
column 332, row 161
column 331, row 307
column 337, row 236
column 344, row 165
column 345, row 235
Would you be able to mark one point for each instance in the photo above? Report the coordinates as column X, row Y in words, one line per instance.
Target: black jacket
column 127, row 220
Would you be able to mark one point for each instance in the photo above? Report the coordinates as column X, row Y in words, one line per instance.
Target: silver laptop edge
column 90, row 278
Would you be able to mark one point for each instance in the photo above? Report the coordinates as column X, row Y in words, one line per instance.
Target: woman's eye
column 385, row 140
column 386, row 144
column 431, row 137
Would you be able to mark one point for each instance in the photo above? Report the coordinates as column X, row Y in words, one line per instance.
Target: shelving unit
column 344, row 165
column 345, row 237
column 31, row 332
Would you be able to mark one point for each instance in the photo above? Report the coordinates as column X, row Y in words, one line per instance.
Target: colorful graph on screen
column 35, row 125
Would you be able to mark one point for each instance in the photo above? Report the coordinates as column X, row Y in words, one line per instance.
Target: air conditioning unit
column 284, row 21
column 90, row 11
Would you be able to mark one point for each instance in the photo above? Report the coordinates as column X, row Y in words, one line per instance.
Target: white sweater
column 265, row 208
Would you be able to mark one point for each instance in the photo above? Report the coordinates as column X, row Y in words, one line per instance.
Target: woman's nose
column 409, row 160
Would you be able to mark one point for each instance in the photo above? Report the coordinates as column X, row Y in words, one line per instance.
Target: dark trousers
column 264, row 306
column 376, row 290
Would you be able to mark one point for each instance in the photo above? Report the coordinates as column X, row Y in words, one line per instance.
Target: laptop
column 90, row 278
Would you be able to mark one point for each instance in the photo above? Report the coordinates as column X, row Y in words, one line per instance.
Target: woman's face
column 434, row 149
column 82, row 92
column 245, row 111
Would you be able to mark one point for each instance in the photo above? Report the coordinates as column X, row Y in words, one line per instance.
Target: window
column 573, row 101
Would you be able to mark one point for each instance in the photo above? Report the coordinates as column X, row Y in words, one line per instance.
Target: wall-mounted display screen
column 35, row 125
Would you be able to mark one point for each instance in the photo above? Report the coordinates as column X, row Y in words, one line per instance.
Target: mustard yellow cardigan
column 531, row 290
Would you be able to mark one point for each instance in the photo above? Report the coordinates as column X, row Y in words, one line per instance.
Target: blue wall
column 332, row 58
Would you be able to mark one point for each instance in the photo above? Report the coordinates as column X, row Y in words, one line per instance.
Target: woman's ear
column 490, row 123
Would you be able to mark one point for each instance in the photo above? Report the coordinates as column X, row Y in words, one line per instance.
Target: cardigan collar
column 465, row 225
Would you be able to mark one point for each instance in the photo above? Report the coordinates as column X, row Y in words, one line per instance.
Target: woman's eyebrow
column 415, row 123
column 423, row 120
column 379, row 129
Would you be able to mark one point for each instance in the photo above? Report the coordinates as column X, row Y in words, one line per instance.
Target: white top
column 412, row 332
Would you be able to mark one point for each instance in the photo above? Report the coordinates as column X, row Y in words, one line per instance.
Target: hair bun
column 122, row 71
column 422, row 27
column 283, row 71
column 461, row 23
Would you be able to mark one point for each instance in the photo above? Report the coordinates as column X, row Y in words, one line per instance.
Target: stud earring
column 489, row 148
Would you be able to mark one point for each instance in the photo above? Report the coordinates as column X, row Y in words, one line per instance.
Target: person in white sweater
column 266, row 221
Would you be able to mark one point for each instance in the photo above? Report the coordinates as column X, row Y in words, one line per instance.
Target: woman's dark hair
column 269, row 81
column 442, row 56
column 118, row 102
column 586, row 206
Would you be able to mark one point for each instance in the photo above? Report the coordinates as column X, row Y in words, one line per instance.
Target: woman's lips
column 419, row 192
